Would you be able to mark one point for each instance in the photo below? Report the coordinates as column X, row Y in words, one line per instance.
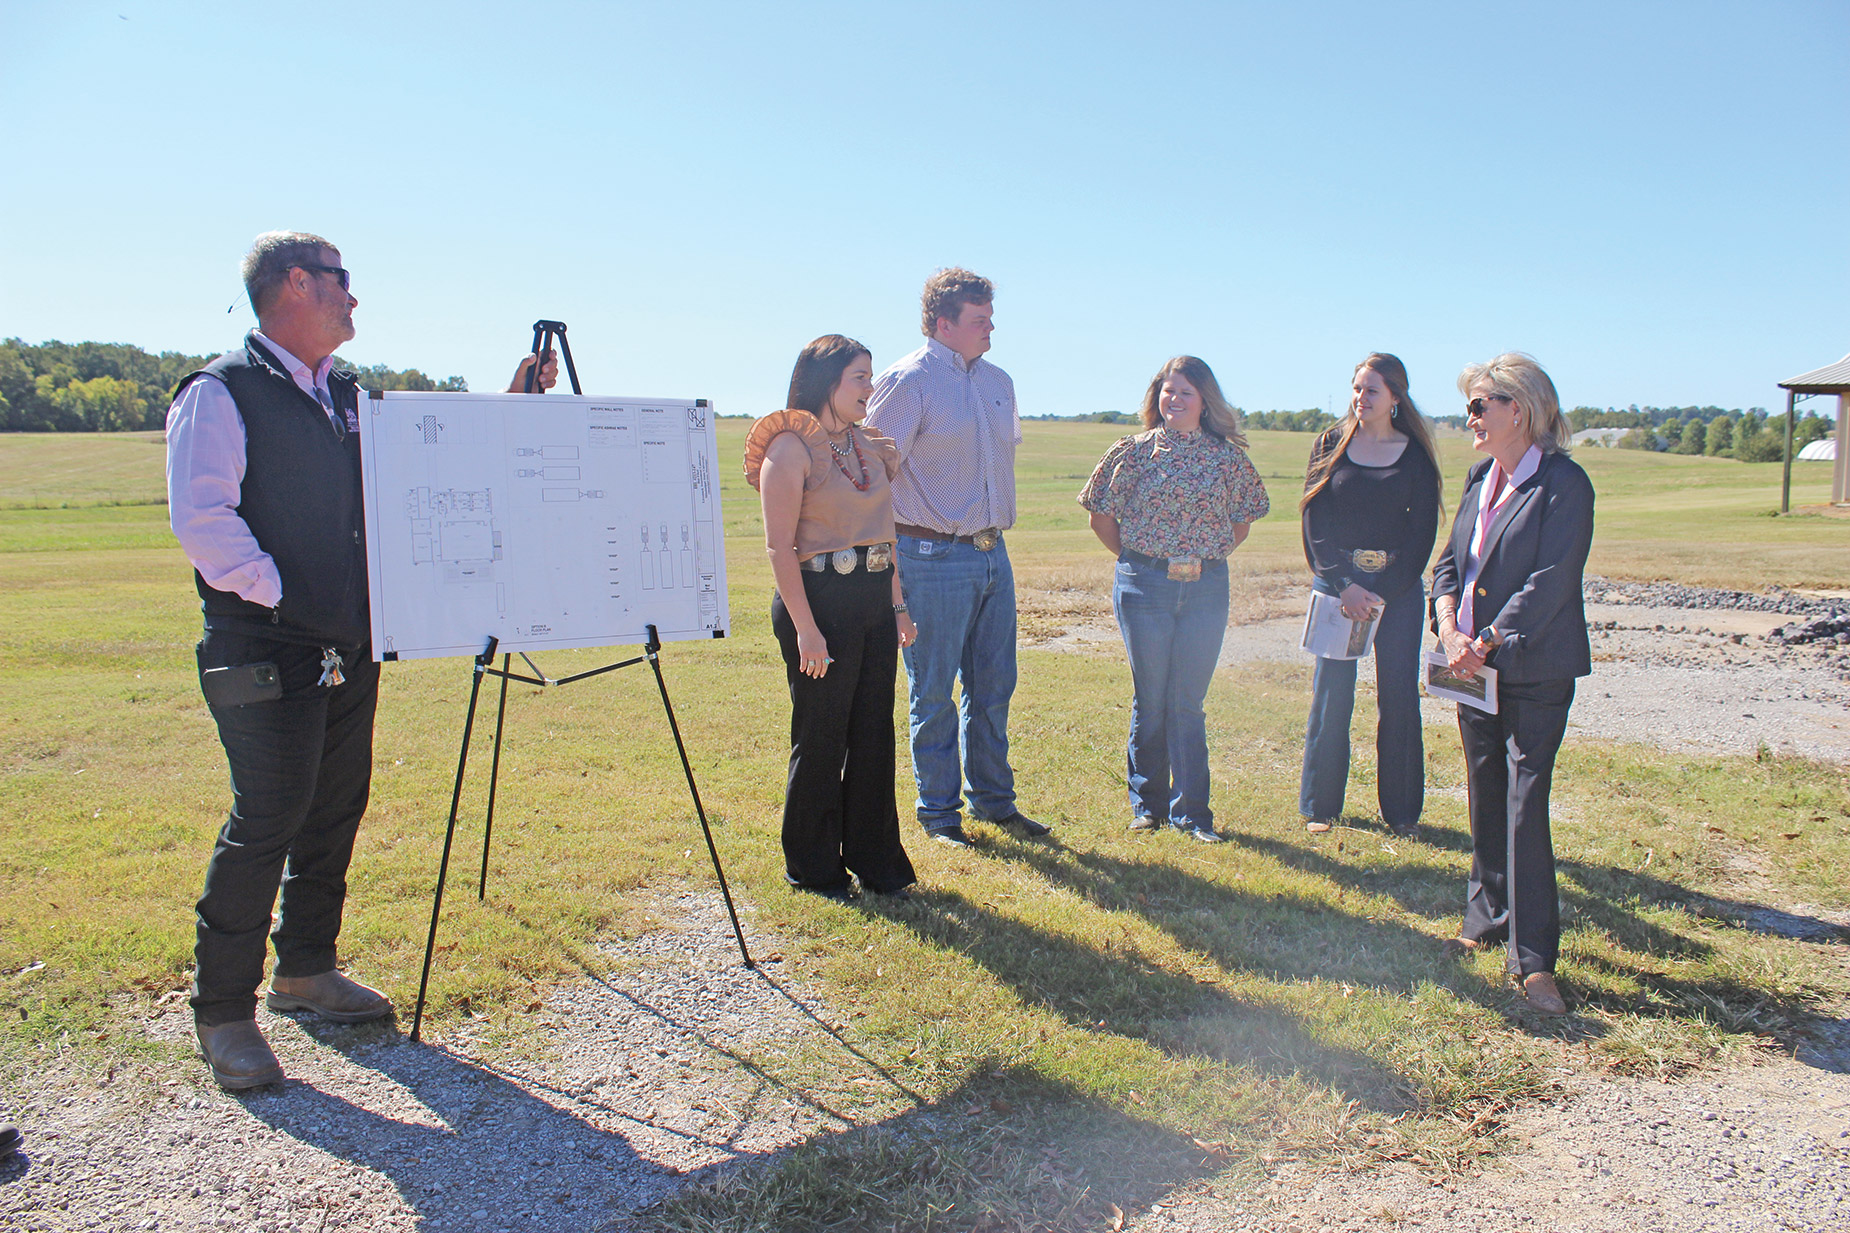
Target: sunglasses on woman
column 1475, row 408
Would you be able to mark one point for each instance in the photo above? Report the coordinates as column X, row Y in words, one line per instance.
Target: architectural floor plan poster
column 541, row 521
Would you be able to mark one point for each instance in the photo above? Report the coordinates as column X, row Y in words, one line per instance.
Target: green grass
column 1089, row 1024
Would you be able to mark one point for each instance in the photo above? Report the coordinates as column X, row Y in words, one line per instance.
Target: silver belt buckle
column 844, row 560
column 1185, row 569
column 879, row 557
column 1369, row 560
column 986, row 539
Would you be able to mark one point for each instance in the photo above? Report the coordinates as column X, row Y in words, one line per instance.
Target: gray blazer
column 1529, row 586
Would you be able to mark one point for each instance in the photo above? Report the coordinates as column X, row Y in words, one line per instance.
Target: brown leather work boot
column 1544, row 997
column 331, row 995
column 238, row 1054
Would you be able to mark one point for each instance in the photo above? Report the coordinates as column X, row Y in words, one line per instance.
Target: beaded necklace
column 841, row 463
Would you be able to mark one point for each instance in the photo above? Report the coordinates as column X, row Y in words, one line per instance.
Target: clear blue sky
column 1651, row 198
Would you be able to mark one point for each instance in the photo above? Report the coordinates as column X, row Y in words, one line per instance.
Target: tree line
column 116, row 387
column 1749, row 436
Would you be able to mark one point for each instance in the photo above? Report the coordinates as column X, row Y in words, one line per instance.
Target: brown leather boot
column 1544, row 997
column 332, row 995
column 238, row 1054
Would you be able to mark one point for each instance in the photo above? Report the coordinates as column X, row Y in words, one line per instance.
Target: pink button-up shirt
column 205, row 476
column 1494, row 482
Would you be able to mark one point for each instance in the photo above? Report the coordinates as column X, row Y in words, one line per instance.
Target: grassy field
column 1128, row 1012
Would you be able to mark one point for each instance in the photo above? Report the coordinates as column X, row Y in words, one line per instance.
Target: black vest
column 301, row 499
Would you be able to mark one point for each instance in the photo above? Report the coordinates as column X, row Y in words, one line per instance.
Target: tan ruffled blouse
column 835, row 513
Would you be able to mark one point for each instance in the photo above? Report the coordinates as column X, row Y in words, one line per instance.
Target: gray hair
column 273, row 254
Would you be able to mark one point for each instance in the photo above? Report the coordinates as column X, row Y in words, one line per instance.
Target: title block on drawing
column 542, row 522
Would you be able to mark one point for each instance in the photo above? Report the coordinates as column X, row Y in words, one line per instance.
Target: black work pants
column 1509, row 764
column 301, row 768
column 839, row 811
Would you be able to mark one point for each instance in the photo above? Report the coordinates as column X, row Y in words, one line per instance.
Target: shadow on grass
column 1607, row 899
column 1125, row 993
column 1005, row 1150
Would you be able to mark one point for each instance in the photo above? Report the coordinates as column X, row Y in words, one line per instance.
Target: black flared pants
column 839, row 810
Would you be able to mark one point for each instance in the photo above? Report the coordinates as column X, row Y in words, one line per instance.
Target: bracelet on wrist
column 899, row 609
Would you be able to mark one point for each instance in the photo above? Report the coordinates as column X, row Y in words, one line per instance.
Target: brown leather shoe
column 1544, row 997
column 238, row 1054
column 331, row 995
column 1458, row 948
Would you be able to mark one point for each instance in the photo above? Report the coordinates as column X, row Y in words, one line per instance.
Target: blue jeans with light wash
column 963, row 601
column 1400, row 751
column 1172, row 633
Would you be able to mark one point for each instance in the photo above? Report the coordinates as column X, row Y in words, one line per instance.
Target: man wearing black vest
column 263, row 484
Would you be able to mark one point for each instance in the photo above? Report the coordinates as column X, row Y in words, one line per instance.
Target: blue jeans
column 963, row 601
column 1172, row 633
column 1400, row 779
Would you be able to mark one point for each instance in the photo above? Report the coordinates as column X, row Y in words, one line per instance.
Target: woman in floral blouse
column 1172, row 502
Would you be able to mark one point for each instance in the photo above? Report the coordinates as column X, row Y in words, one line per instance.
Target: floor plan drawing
column 540, row 521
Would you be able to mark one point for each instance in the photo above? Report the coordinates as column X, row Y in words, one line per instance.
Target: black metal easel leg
column 652, row 650
column 482, row 661
column 494, row 777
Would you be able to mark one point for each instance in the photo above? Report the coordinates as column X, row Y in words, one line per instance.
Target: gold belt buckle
column 986, row 539
column 879, row 557
column 844, row 560
column 1369, row 560
column 1185, row 569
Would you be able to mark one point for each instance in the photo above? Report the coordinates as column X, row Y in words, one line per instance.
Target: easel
column 543, row 334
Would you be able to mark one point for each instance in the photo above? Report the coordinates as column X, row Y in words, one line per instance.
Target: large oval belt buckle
column 986, row 539
column 879, row 557
column 1369, row 560
column 843, row 559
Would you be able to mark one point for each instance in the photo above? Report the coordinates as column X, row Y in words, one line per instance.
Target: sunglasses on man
column 341, row 275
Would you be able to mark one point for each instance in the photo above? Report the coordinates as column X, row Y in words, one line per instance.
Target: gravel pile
column 1676, row 595
column 1833, row 629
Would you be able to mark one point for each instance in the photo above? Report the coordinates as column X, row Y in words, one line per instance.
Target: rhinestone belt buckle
column 879, row 557
column 844, row 560
column 1185, row 569
column 1369, row 560
column 986, row 539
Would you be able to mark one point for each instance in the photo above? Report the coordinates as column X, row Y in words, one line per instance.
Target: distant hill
column 112, row 387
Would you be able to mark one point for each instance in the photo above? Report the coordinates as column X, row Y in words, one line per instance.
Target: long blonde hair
column 1407, row 418
column 1219, row 417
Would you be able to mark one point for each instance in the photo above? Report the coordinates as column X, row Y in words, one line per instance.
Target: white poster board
column 542, row 521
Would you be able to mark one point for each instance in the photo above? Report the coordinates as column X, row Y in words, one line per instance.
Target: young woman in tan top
column 824, row 483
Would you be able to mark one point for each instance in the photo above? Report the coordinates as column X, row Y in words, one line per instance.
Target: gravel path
column 669, row 1060
column 1761, row 1149
column 662, row 1068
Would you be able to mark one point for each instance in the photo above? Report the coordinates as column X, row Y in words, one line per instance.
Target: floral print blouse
column 1176, row 495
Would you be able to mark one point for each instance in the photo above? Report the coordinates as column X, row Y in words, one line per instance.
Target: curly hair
column 946, row 293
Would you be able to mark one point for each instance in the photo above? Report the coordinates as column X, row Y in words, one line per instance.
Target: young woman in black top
column 1371, row 511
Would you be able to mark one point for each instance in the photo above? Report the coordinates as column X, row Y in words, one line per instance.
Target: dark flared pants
column 1400, row 749
column 839, row 811
column 1509, row 763
column 301, row 769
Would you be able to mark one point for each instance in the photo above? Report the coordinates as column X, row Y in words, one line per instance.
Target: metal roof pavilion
column 1831, row 379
